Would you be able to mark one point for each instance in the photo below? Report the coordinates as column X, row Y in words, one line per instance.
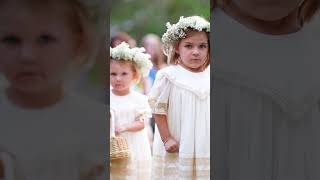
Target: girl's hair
column 185, row 27
column 134, row 68
column 173, row 56
column 308, row 8
column 88, row 20
column 160, row 57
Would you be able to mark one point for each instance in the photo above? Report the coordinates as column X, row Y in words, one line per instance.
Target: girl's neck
column 289, row 24
column 121, row 93
column 35, row 100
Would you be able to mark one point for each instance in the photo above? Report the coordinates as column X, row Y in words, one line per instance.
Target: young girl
column 130, row 110
column 266, row 92
column 180, row 101
column 51, row 133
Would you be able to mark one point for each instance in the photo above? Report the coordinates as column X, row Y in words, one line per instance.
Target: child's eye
column 11, row 40
column 188, row 46
column 124, row 73
column 113, row 74
column 46, row 38
column 203, row 46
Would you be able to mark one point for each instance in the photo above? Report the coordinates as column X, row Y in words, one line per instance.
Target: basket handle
column 112, row 124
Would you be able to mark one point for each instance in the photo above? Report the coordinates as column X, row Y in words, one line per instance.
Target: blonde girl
column 51, row 133
column 130, row 110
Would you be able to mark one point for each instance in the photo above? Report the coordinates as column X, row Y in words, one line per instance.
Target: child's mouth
column 29, row 76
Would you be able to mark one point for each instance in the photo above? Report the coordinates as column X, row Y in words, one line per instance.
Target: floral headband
column 135, row 55
column 177, row 31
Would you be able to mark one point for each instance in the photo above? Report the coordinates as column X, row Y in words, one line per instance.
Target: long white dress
column 61, row 142
column 126, row 109
column 184, row 97
column 266, row 93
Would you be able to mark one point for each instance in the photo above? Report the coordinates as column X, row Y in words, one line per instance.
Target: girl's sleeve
column 143, row 110
column 159, row 94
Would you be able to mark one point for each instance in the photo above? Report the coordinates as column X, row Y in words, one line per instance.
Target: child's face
column 35, row 46
column 151, row 46
column 193, row 51
column 122, row 76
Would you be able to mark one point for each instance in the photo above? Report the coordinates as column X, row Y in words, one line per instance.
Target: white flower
column 136, row 55
column 177, row 31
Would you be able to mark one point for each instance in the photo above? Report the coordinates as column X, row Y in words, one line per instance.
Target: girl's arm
column 135, row 126
column 161, row 121
column 171, row 145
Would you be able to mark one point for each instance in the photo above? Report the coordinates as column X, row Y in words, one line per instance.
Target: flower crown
column 136, row 55
column 177, row 31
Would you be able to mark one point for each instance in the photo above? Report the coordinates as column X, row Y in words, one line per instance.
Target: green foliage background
column 139, row 17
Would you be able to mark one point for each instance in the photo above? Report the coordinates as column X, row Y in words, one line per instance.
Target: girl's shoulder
column 178, row 73
column 138, row 96
column 167, row 70
column 199, row 83
column 133, row 96
column 171, row 72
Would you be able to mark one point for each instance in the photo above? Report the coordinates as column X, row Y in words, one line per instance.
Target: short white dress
column 266, row 92
column 184, row 97
column 125, row 110
column 64, row 141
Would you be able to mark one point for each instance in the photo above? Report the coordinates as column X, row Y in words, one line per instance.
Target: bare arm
column 161, row 121
column 169, row 142
column 135, row 126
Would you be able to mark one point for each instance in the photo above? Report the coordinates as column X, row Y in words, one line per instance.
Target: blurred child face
column 268, row 10
column 36, row 46
column 122, row 77
column 193, row 51
column 151, row 46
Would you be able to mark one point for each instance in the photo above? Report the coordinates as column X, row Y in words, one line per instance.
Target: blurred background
column 138, row 17
column 142, row 23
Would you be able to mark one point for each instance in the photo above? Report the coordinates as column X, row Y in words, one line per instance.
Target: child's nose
column 27, row 53
column 118, row 78
column 195, row 51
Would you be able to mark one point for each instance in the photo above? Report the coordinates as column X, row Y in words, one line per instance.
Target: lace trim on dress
column 201, row 93
column 158, row 108
column 173, row 167
column 296, row 111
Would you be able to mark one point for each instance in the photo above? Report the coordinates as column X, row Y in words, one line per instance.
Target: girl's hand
column 119, row 130
column 171, row 145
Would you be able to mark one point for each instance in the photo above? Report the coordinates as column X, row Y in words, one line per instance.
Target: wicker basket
column 118, row 144
column 119, row 148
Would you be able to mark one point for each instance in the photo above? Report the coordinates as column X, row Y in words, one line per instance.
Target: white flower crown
column 136, row 55
column 177, row 31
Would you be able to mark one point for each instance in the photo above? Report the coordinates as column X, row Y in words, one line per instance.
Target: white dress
column 60, row 142
column 126, row 109
column 184, row 97
column 266, row 93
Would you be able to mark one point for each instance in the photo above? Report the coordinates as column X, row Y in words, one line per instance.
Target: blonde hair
column 88, row 19
column 173, row 56
column 92, row 16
